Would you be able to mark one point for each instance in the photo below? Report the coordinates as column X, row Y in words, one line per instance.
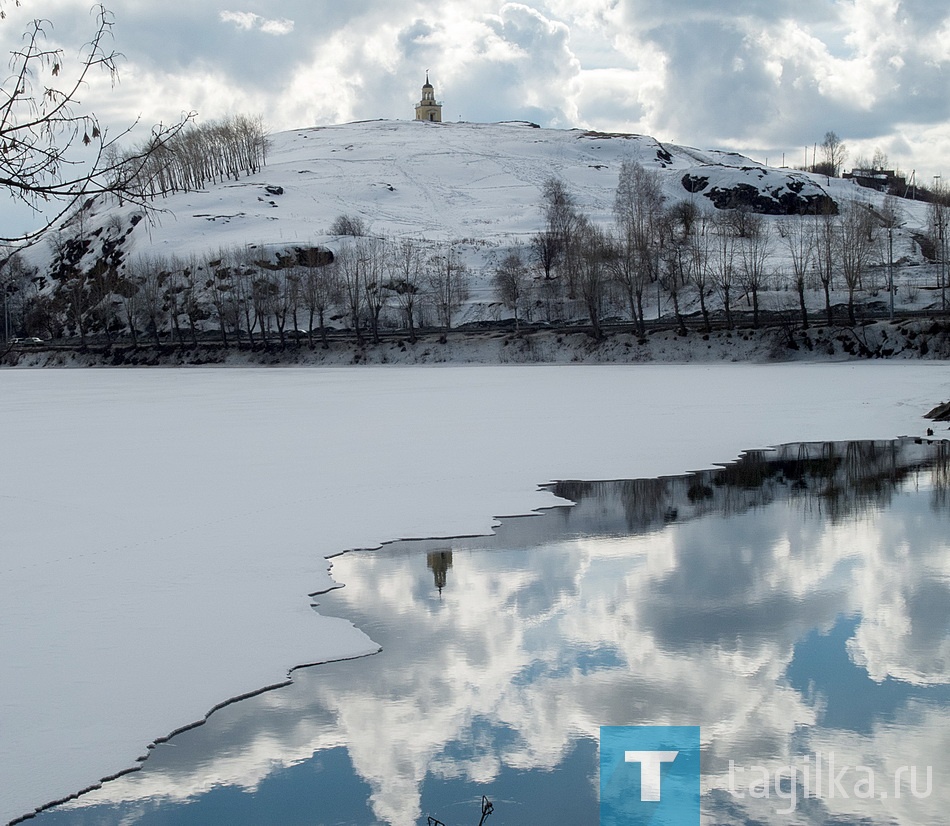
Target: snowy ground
column 163, row 528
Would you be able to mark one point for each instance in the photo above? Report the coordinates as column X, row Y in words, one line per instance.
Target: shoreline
column 922, row 338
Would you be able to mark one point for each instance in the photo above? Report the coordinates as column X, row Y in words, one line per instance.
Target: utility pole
column 940, row 213
column 889, row 222
column 942, row 252
column 890, row 269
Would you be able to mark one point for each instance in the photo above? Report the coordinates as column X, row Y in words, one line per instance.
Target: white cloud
column 248, row 21
column 741, row 74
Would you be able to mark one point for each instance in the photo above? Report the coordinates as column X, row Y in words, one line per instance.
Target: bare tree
column 800, row 241
column 833, row 153
column 447, row 280
column 683, row 215
column 856, row 246
column 826, row 237
column 242, row 276
column 675, row 274
column 55, row 156
column 265, row 299
column 590, row 262
column 150, row 274
column 723, row 263
column 741, row 219
column 218, row 286
column 193, row 295
column 372, row 254
column 639, row 198
column 754, row 255
column 937, row 216
column 320, row 290
column 638, row 208
column 561, row 220
column 103, row 316
column 17, row 292
column 891, row 217
column 512, row 282
column 285, row 302
column 700, row 272
column 406, row 266
column 198, row 154
column 349, row 269
column 628, row 275
column 546, row 252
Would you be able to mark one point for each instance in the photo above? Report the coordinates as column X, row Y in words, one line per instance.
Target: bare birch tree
column 800, row 241
column 723, row 263
column 754, row 255
column 406, row 266
column 350, row 272
column 320, row 291
column 856, row 246
column 638, row 209
column 447, row 281
column 512, row 281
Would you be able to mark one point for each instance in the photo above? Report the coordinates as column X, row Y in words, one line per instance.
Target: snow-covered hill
column 476, row 184
column 422, row 180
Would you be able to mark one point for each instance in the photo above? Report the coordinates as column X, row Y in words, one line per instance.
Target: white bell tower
column 428, row 108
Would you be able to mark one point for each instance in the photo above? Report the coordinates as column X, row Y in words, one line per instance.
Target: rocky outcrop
column 765, row 191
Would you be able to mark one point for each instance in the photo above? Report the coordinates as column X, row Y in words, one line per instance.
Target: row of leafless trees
column 250, row 295
column 686, row 253
column 655, row 256
column 200, row 154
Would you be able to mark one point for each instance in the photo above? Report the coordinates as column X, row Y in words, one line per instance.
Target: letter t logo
column 649, row 770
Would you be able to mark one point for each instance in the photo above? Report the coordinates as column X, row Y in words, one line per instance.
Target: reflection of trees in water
column 836, row 479
column 940, row 478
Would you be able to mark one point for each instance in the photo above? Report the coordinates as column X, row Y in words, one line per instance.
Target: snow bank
column 163, row 528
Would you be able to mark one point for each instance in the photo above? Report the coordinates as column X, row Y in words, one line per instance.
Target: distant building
column 428, row 108
column 883, row 180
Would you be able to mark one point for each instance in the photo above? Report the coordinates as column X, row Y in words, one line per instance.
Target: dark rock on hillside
column 313, row 256
column 785, row 199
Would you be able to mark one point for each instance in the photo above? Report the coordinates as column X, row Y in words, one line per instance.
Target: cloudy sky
column 764, row 77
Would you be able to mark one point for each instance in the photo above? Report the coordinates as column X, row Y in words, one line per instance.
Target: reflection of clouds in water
column 703, row 618
column 905, row 591
column 892, row 758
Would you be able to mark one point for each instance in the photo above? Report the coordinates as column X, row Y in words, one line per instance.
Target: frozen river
column 163, row 528
column 794, row 605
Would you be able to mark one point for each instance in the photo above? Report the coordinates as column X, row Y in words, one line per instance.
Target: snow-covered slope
column 480, row 182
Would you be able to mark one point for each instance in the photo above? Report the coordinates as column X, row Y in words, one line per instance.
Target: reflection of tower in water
column 439, row 563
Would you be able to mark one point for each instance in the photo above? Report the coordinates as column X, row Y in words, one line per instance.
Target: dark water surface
column 795, row 604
